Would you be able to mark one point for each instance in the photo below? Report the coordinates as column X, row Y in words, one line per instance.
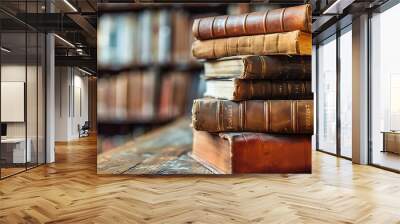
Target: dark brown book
column 121, row 96
column 289, row 43
column 271, row 116
column 244, row 152
column 135, row 89
column 244, row 89
column 149, row 79
column 180, row 92
column 270, row 21
column 166, row 95
column 278, row 67
column 182, row 37
column 102, row 99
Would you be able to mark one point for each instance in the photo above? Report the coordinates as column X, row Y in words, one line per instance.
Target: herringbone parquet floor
column 69, row 191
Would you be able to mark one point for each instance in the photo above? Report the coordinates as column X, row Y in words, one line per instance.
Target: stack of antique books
column 257, row 114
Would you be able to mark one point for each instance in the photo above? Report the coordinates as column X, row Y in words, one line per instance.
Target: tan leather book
column 272, row 21
column 289, row 43
column 181, row 91
column 270, row 116
column 165, row 93
column 277, row 67
column 181, row 37
column 258, row 89
column 148, row 96
column 121, row 96
column 135, row 95
column 102, row 99
column 245, row 152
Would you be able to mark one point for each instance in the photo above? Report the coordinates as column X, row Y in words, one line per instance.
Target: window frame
column 338, row 33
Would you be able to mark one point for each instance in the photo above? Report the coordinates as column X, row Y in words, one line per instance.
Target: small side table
column 391, row 141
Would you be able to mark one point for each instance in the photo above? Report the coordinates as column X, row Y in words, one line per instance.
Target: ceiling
column 74, row 22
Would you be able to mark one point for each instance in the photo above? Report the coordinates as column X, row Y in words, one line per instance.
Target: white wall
column 61, row 103
column 71, row 93
column 33, row 126
column 12, row 73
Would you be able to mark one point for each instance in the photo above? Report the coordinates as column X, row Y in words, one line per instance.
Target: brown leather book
column 121, row 96
column 166, row 96
column 277, row 67
column 135, row 89
column 258, row 89
column 289, row 43
column 271, row 116
column 102, row 107
column 272, row 21
column 244, row 152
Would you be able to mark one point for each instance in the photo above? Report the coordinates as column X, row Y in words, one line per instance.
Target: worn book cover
column 268, row 116
column 248, row 152
column 263, row 22
column 277, row 67
column 288, row 43
column 257, row 89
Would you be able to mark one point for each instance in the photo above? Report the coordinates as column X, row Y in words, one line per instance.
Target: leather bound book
column 272, row 21
column 271, row 116
column 245, row 152
column 289, row 43
column 135, row 96
column 121, row 96
column 258, row 89
column 277, row 67
column 166, row 96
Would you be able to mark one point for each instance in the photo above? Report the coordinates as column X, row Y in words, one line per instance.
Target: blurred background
column 147, row 76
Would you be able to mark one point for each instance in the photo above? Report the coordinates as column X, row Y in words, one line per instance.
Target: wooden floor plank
column 70, row 191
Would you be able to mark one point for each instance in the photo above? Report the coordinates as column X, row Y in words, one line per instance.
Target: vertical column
column 360, row 90
column 314, row 89
column 50, row 92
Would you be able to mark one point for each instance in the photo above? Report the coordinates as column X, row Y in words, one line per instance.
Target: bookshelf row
column 146, row 37
column 193, row 67
column 139, row 97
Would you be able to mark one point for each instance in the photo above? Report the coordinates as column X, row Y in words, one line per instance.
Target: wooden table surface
column 163, row 151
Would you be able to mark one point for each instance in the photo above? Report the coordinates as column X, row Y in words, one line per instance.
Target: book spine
column 148, row 95
column 266, row 153
column 289, row 43
column 164, row 37
column 273, row 116
column 234, row 153
column 145, row 36
column 277, row 67
column 270, row 21
column 121, row 101
column 262, row 89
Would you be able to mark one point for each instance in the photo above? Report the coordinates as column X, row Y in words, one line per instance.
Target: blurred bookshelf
column 147, row 74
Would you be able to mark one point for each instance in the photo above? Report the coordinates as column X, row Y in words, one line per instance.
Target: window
column 385, row 89
column 22, row 77
column 326, row 96
column 345, row 92
column 335, row 74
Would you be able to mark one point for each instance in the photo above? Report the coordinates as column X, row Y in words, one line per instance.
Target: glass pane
column 314, row 89
column 31, row 97
column 385, row 84
column 327, row 96
column 32, row 86
column 14, row 153
column 41, row 99
column 346, row 94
